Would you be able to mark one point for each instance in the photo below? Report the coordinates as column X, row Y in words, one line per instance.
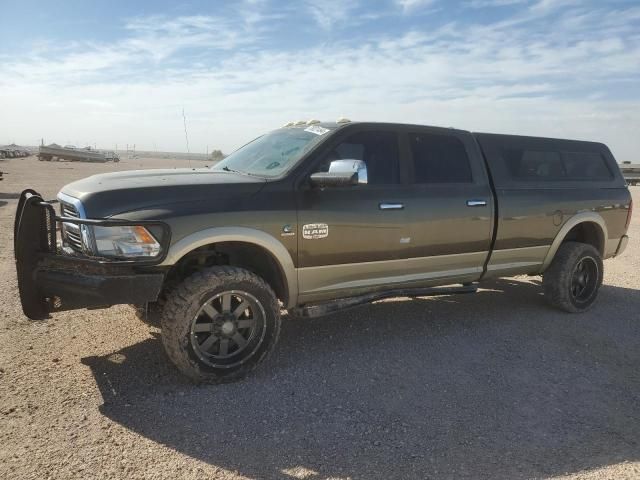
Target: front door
column 351, row 239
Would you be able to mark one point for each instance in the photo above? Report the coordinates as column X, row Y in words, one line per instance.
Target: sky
column 121, row 72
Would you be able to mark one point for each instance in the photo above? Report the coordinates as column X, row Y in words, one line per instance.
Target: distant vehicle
column 317, row 217
column 13, row 151
column 631, row 172
column 49, row 152
column 112, row 156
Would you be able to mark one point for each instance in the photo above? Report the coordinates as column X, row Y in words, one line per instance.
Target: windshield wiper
column 227, row 169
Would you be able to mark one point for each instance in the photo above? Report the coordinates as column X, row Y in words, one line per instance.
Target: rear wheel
column 573, row 279
column 219, row 324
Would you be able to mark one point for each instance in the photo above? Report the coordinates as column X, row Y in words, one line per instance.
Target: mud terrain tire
column 572, row 281
column 219, row 324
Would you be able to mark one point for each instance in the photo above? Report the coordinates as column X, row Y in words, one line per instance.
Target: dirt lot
column 493, row 385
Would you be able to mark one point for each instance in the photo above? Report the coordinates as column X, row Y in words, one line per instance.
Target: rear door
column 350, row 239
column 450, row 211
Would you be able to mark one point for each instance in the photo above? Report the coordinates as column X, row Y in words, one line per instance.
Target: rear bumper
column 51, row 281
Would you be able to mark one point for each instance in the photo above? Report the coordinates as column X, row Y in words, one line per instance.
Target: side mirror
column 334, row 179
column 341, row 173
column 357, row 166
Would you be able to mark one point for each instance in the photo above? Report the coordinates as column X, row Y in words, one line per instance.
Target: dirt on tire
column 186, row 298
column 556, row 281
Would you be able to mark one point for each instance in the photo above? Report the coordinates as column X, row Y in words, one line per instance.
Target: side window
column 439, row 159
column 379, row 150
column 586, row 166
column 538, row 165
column 534, row 165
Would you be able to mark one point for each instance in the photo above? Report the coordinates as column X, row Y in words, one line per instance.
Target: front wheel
column 574, row 277
column 219, row 324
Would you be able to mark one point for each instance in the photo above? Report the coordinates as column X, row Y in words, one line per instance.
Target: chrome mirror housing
column 350, row 166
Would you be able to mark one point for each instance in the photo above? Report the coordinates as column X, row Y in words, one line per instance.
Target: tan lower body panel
column 317, row 283
column 516, row 261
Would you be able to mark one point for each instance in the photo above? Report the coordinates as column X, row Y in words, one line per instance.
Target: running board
column 326, row 308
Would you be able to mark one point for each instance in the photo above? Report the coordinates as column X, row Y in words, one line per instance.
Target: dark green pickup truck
column 315, row 217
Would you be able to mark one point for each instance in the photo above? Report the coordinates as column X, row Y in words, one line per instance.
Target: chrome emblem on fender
column 287, row 231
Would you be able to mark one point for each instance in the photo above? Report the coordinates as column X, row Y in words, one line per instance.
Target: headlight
column 133, row 241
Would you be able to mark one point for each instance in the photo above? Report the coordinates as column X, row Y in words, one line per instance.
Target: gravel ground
column 494, row 385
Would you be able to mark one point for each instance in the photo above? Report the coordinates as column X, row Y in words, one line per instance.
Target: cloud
column 161, row 37
column 408, row 5
column 547, row 5
column 569, row 72
column 494, row 3
column 331, row 12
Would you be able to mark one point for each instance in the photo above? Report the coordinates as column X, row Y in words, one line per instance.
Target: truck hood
column 111, row 194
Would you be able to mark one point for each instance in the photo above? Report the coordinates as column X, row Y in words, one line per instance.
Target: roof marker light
column 343, row 120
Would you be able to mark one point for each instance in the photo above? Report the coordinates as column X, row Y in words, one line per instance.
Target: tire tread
column 556, row 280
column 181, row 298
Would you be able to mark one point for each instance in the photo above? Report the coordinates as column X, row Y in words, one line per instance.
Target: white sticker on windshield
column 318, row 130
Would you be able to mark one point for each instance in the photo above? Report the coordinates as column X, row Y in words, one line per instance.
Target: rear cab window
column 439, row 159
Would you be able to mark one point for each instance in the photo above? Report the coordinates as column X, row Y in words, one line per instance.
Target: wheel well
column 245, row 255
column 587, row 232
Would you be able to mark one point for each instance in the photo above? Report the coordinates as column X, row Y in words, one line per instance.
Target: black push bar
column 50, row 280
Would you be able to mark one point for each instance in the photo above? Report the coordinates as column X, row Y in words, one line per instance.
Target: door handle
column 391, row 206
column 476, row 203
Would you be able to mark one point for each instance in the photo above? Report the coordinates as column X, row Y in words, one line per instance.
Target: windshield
column 274, row 153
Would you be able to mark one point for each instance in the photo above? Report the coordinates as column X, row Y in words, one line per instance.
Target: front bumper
column 50, row 281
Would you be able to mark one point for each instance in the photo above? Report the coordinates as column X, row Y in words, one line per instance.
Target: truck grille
column 69, row 210
column 71, row 231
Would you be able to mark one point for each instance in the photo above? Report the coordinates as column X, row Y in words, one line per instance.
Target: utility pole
column 186, row 136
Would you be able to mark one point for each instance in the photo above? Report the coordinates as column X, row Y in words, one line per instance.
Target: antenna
column 186, row 135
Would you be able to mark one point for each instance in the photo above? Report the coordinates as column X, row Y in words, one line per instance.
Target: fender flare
column 582, row 217
column 239, row 234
